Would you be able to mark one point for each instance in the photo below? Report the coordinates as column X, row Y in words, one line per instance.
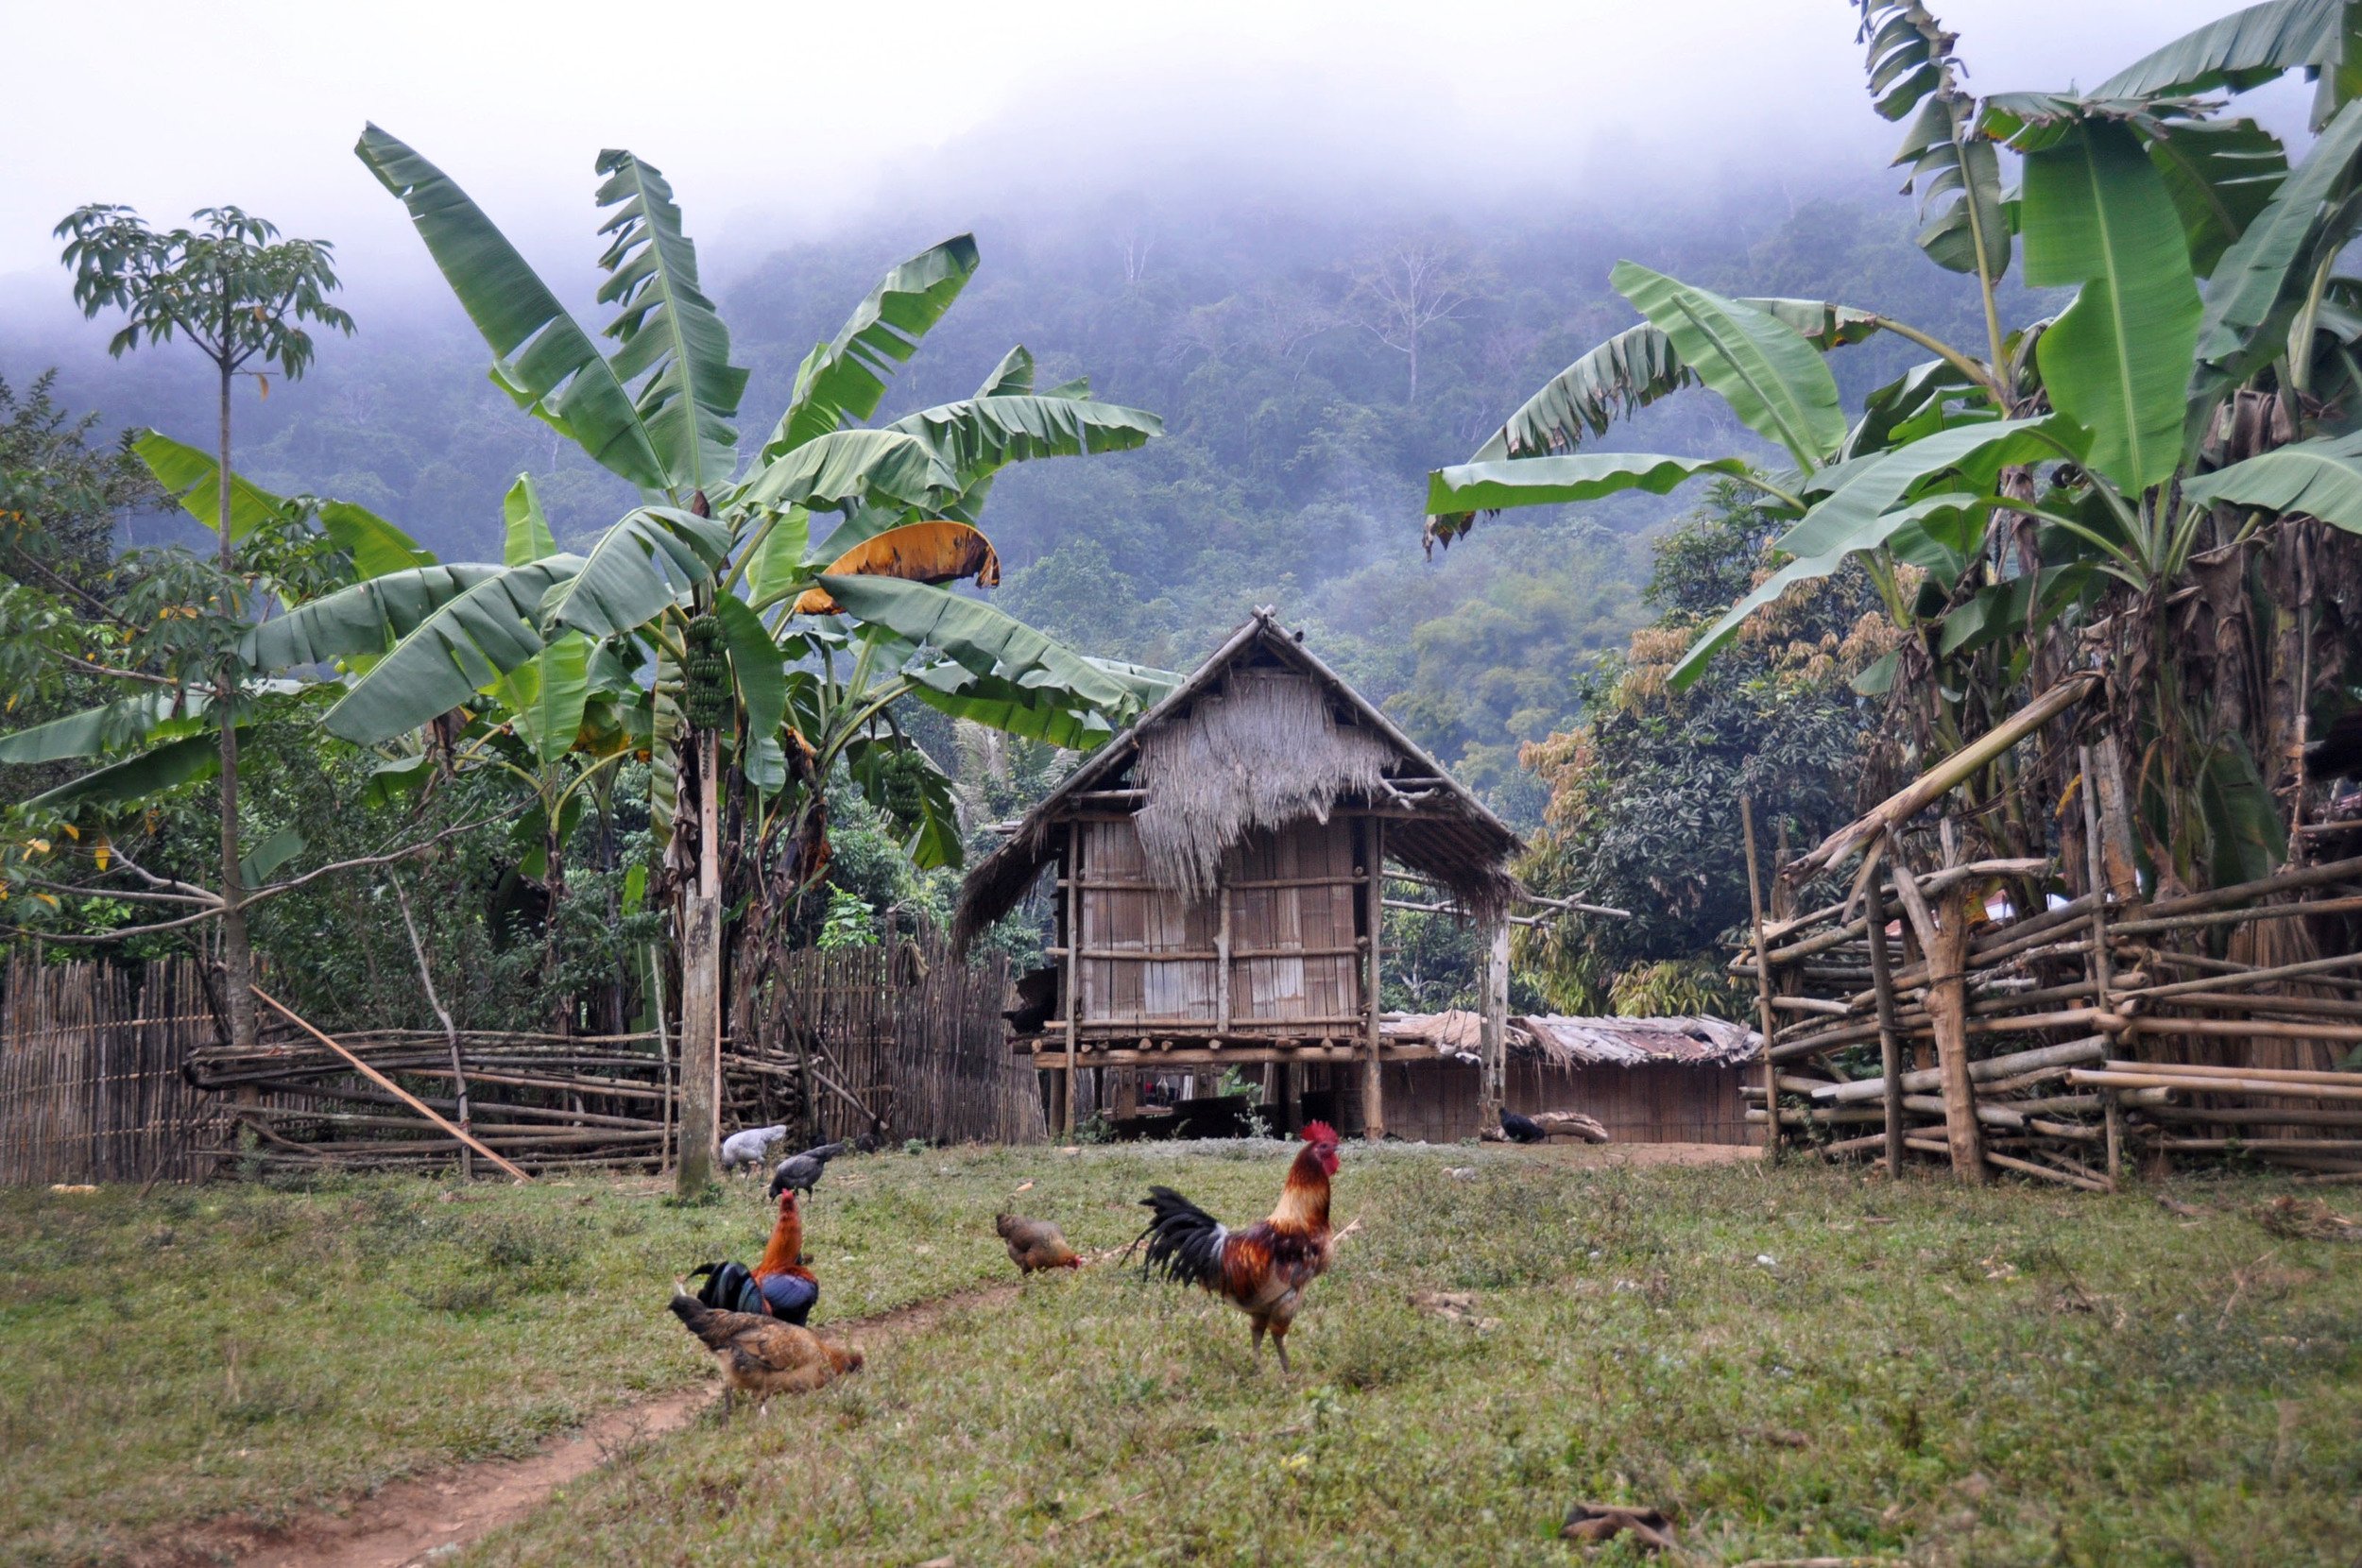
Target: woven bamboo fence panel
column 91, row 1082
column 916, row 1038
column 98, row 1061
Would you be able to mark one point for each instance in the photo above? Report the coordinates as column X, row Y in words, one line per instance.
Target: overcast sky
column 775, row 120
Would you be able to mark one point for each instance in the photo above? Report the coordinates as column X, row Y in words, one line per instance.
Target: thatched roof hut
column 1261, row 735
column 1674, row 1079
column 1221, row 867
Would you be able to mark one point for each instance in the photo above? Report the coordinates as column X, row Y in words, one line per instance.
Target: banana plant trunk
column 553, row 969
column 237, row 952
column 701, row 985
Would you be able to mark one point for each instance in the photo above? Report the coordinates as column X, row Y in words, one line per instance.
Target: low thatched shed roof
column 1260, row 734
column 1582, row 1042
column 1640, row 1042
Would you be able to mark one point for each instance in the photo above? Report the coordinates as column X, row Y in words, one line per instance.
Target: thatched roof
column 1638, row 1042
column 1582, row 1042
column 1261, row 734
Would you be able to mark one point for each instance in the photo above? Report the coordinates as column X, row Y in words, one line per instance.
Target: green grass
column 259, row 1350
column 1924, row 1372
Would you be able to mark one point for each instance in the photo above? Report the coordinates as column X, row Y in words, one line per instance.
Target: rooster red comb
column 1319, row 1132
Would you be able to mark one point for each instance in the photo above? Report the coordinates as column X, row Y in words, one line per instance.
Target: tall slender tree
column 242, row 294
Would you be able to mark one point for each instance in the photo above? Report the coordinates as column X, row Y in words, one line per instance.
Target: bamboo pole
column 1763, row 980
column 1938, row 781
column 383, row 1081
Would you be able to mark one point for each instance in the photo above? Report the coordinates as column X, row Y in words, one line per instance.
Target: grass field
column 1793, row 1363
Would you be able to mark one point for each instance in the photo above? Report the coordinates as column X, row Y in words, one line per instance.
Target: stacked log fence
column 114, row 1073
column 1978, row 1014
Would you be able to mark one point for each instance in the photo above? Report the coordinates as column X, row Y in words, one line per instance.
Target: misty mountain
column 1294, row 464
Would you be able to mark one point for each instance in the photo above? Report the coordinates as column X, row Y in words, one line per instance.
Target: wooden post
column 1890, row 1036
column 1291, row 1098
column 1374, row 897
column 1073, row 968
column 701, row 987
column 1763, row 985
column 1222, row 958
column 2114, row 1106
column 1492, row 1085
column 2096, row 870
column 1947, row 1013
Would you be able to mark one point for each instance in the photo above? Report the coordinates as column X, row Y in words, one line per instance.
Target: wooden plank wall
column 91, row 1086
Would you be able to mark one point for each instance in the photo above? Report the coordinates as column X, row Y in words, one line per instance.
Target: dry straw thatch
column 1261, row 734
column 1262, row 750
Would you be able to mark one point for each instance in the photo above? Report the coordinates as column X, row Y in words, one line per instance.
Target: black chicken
column 801, row 1170
column 1521, row 1129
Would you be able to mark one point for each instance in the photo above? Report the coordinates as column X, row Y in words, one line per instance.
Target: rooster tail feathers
column 730, row 1288
column 1184, row 1243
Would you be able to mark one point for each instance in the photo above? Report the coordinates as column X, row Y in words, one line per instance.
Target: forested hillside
column 1276, row 343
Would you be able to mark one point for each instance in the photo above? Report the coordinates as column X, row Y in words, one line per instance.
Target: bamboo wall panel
column 1142, row 920
column 1151, row 950
column 91, row 1082
column 1318, row 980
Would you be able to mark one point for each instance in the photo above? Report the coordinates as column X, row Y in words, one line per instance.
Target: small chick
column 1035, row 1244
column 762, row 1357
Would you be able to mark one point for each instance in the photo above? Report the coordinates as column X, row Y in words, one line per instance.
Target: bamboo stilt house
column 1219, row 879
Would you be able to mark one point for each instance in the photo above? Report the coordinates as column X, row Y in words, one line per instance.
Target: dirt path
column 429, row 1517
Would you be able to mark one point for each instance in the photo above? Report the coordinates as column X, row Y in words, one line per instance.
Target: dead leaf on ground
column 1592, row 1523
column 1459, row 1306
column 1998, row 1268
column 2305, row 1219
column 2174, row 1205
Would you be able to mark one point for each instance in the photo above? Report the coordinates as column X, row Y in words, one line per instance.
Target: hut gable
column 1262, row 735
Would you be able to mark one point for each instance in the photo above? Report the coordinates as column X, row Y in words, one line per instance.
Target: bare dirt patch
column 414, row 1521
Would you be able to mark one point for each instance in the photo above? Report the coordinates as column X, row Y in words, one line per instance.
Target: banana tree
column 705, row 587
column 2079, row 475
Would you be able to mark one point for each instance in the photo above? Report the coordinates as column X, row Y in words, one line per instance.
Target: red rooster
column 1263, row 1270
column 779, row 1285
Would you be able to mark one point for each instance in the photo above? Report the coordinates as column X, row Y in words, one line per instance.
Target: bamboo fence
column 1974, row 1014
column 91, row 1086
column 108, row 1075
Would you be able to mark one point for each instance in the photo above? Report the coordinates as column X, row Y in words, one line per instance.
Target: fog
column 779, row 123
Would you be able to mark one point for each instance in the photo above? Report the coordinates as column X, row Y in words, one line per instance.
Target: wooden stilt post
column 1373, row 894
column 1495, row 1038
column 1890, row 1035
column 1073, row 968
column 1763, row 985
